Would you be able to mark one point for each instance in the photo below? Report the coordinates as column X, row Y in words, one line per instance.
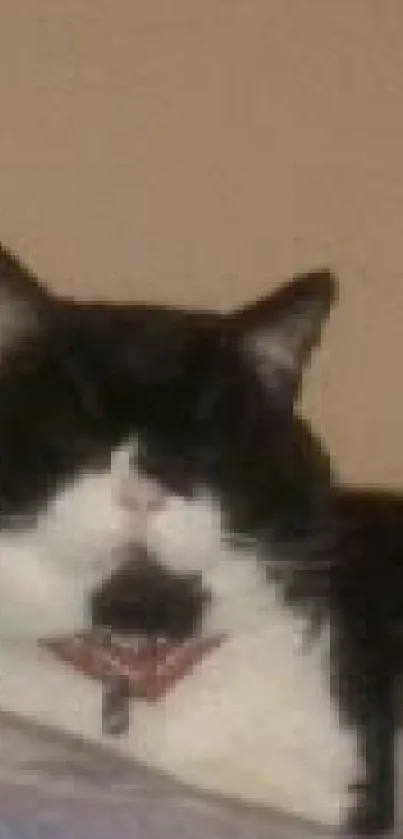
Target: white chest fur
column 254, row 720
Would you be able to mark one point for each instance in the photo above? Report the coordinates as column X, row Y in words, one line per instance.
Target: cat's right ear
column 278, row 333
column 23, row 300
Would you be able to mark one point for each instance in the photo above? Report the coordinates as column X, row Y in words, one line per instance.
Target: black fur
column 210, row 410
column 143, row 597
column 79, row 384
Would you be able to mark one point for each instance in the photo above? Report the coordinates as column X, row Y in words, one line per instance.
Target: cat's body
column 298, row 706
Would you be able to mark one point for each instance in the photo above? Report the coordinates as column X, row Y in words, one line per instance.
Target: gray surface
column 54, row 787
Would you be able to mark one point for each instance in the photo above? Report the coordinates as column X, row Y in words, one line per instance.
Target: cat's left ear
column 278, row 333
column 23, row 300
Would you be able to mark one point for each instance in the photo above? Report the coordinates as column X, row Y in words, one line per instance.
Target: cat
column 190, row 416
column 305, row 575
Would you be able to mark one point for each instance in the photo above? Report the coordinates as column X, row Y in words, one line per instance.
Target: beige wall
column 198, row 150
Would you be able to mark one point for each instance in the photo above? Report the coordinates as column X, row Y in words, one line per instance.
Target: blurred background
column 200, row 152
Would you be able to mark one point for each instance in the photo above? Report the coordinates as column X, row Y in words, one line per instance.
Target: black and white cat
column 194, row 414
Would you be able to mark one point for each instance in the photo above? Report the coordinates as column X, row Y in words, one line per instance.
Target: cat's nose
column 142, row 496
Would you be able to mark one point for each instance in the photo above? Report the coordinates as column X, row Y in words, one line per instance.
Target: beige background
column 197, row 151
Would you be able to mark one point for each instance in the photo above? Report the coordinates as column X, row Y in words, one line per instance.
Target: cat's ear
column 278, row 333
column 18, row 281
column 22, row 299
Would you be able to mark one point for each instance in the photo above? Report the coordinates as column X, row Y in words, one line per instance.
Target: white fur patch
column 254, row 720
column 48, row 570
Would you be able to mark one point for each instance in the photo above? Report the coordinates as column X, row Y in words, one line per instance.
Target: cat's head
column 203, row 401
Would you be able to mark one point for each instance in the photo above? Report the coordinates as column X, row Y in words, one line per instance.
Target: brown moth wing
column 150, row 668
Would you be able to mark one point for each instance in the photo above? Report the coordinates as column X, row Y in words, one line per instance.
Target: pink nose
column 142, row 496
